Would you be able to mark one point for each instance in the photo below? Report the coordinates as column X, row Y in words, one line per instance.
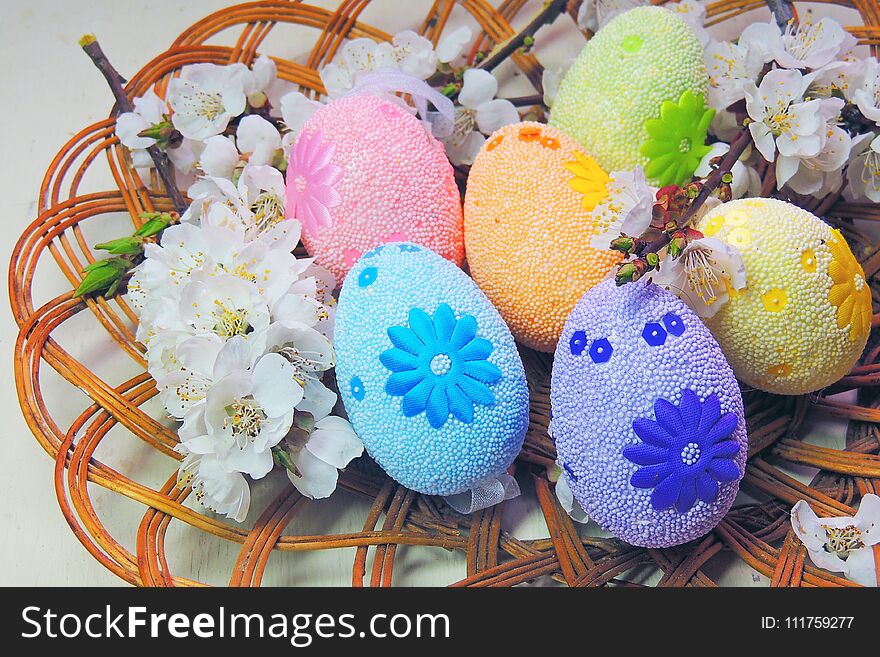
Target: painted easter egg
column 804, row 317
column 647, row 416
column 364, row 171
column 528, row 228
column 636, row 96
column 428, row 371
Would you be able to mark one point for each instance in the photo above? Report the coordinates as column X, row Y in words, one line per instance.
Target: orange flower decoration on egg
column 589, row 180
column 849, row 292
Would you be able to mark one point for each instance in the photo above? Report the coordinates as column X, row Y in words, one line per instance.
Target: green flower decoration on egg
column 677, row 139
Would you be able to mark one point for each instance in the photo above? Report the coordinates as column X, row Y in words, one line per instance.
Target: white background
column 49, row 92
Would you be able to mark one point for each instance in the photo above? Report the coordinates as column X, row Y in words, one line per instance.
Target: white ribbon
column 485, row 493
column 393, row 81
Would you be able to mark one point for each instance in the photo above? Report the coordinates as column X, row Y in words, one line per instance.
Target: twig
column 783, row 11
column 552, row 9
column 737, row 147
column 92, row 48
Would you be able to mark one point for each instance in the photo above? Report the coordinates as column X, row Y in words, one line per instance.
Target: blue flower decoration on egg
column 686, row 451
column 439, row 366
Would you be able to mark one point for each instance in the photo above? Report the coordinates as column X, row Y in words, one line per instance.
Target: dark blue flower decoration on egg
column 439, row 366
column 578, row 343
column 687, row 451
column 654, row 334
column 673, row 323
column 601, row 350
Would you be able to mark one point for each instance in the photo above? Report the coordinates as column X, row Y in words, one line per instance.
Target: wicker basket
column 759, row 534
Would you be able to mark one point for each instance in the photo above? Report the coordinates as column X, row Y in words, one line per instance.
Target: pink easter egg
column 364, row 171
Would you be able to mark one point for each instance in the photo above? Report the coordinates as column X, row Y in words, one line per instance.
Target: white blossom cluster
column 811, row 103
column 238, row 333
column 238, row 330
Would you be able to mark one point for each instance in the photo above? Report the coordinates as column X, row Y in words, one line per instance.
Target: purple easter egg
column 648, row 418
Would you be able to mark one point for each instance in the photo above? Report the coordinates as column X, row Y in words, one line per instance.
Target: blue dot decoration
column 448, row 401
column 673, row 323
column 654, row 334
column 578, row 343
column 601, row 350
column 368, row 276
column 357, row 388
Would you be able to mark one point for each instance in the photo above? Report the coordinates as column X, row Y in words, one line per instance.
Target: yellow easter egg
column 527, row 228
column 804, row 317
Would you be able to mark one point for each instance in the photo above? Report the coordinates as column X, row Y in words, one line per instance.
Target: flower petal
column 723, row 428
column 862, row 568
column 318, row 478
column 460, row 405
column 643, row 454
column 422, row 325
column 476, row 349
column 687, row 496
column 437, row 408
column 691, row 409
column 274, row 387
column 478, row 392
column 725, row 449
column 707, row 488
column 403, row 338
column 711, row 413
column 665, row 493
column 335, row 442
column 465, row 331
column 444, row 322
column 479, row 86
column 400, row 383
column 652, row 433
column 481, row 370
column 668, row 417
column 415, row 401
column 723, row 470
column 651, row 476
column 398, row 360
column 496, row 114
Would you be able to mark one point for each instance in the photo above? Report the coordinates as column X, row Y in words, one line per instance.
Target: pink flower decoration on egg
column 310, row 180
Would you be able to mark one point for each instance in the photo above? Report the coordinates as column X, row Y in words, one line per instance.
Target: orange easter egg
column 527, row 228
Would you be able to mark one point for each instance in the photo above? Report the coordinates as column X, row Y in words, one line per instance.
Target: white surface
column 51, row 91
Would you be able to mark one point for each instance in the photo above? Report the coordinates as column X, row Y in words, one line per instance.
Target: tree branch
column 552, row 9
column 737, row 148
column 116, row 82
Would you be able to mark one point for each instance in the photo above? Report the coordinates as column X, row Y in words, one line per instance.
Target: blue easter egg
column 428, row 371
column 648, row 418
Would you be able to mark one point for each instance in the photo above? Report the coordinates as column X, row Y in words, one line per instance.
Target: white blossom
column 206, row 97
column 626, row 209
column 703, row 275
column 480, row 114
column 781, row 119
column 730, row 66
column 841, row 544
column 863, row 172
column 330, row 447
column 451, row 46
column 803, row 45
column 258, row 140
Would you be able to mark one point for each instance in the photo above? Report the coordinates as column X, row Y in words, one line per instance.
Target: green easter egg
column 636, row 96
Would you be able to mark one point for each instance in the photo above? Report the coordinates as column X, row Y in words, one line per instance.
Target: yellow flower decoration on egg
column 849, row 293
column 589, row 180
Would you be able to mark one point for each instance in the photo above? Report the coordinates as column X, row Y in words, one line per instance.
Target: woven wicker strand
column 758, row 534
